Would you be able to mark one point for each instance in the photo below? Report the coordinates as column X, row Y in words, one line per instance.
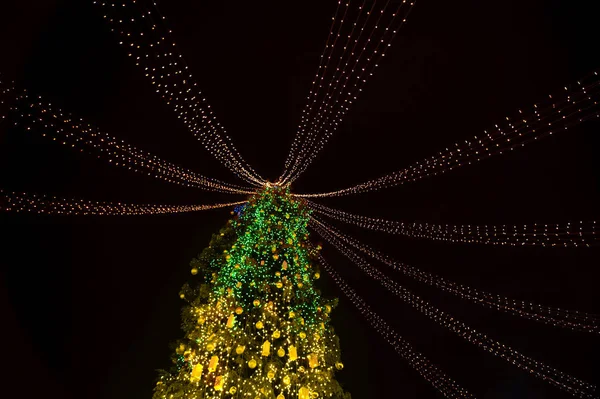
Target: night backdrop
column 90, row 304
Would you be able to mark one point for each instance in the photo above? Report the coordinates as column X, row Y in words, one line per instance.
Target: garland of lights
column 570, row 319
column 448, row 387
column 42, row 204
column 362, row 78
column 292, row 155
column 577, row 104
column 353, row 92
column 572, row 234
column 4, row 92
column 566, row 382
column 325, row 118
column 75, row 133
column 167, row 70
column 314, row 92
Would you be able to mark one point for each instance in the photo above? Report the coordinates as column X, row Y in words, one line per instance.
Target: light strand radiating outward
column 446, row 385
column 357, row 59
column 146, row 38
column 574, row 105
column 570, row 319
column 571, row 234
column 297, row 150
column 343, row 99
column 74, row 132
column 566, row 382
column 331, row 39
column 41, row 204
column 5, row 93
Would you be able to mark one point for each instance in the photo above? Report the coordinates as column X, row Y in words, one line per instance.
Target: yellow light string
column 432, row 374
column 307, row 121
column 76, row 133
column 570, row 319
column 571, row 234
column 564, row 381
column 5, row 90
column 325, row 108
column 327, row 118
column 346, row 98
column 313, row 90
column 224, row 139
column 293, row 155
column 166, row 68
column 577, row 104
column 42, row 204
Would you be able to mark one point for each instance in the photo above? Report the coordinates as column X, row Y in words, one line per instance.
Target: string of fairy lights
column 571, row 234
column 42, row 204
column 432, row 374
column 292, row 155
column 333, row 119
column 569, row 319
column 52, row 122
column 578, row 103
column 311, row 131
column 536, row 368
column 360, row 34
column 324, row 108
column 338, row 99
column 143, row 32
column 321, row 72
column 5, row 90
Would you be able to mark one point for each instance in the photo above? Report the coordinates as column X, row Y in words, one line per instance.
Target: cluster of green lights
column 272, row 256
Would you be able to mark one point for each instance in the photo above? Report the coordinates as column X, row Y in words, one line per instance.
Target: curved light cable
column 166, row 69
column 569, row 319
column 293, row 156
column 575, row 105
column 571, row 234
column 564, row 381
column 341, row 98
column 42, row 204
column 436, row 377
column 36, row 115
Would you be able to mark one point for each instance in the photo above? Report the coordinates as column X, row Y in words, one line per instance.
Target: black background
column 90, row 304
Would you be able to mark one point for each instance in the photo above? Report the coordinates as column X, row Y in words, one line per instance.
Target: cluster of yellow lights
column 144, row 34
column 576, row 104
column 536, row 368
column 346, row 82
column 255, row 338
column 570, row 319
column 75, row 133
column 275, row 339
column 571, row 234
column 41, row 204
column 431, row 373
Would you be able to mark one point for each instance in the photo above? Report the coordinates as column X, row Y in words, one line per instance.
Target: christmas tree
column 256, row 326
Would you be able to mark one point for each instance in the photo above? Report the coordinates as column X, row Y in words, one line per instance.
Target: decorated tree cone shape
column 257, row 293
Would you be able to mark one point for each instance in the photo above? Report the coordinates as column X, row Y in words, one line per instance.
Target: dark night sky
column 90, row 304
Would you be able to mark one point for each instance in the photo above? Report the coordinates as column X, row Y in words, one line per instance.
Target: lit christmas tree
column 257, row 327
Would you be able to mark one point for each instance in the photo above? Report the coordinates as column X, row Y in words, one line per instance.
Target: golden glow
column 230, row 321
column 214, row 361
column 266, row 349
